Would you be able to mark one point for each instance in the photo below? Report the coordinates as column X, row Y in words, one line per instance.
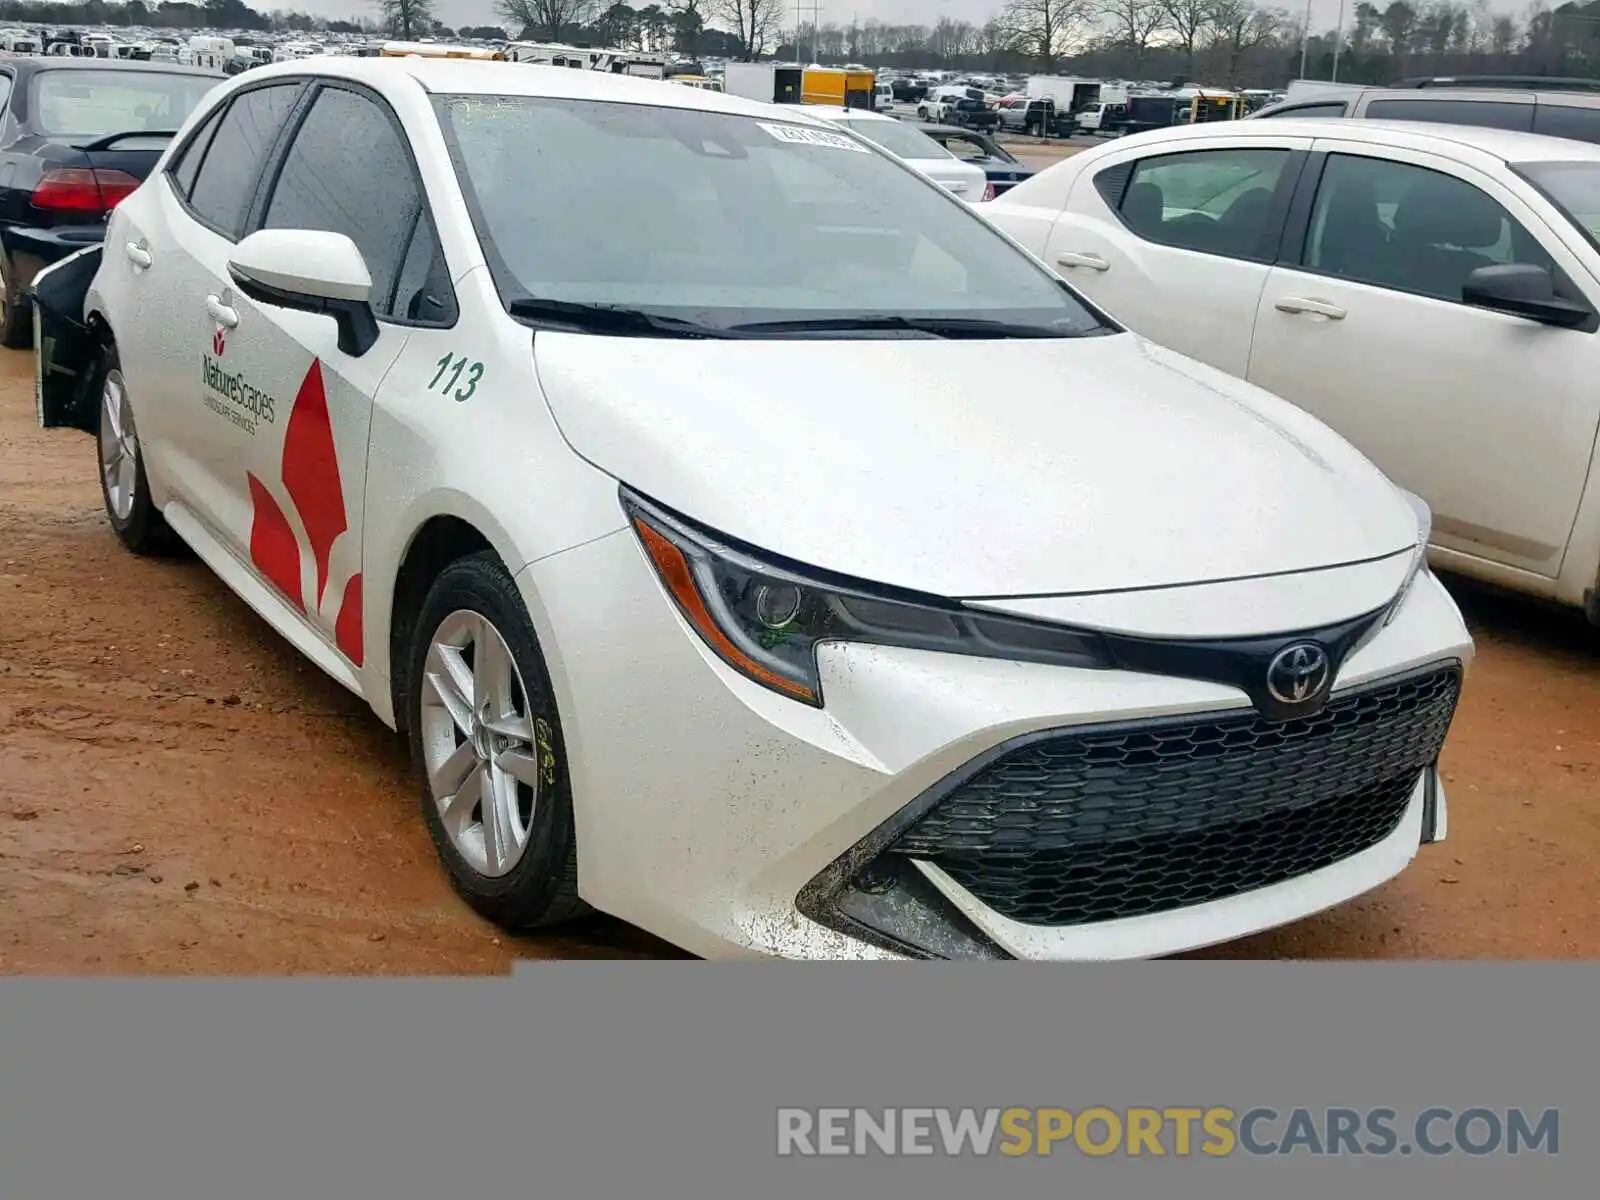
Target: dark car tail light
column 83, row 189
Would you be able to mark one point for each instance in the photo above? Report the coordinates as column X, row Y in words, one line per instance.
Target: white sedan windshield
column 898, row 139
column 728, row 220
column 1574, row 187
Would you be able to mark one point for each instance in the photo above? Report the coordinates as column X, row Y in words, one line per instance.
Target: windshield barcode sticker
column 802, row 136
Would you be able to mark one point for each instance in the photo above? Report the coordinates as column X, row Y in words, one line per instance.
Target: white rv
column 206, row 51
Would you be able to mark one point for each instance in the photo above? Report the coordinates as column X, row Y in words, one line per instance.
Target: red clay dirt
column 181, row 793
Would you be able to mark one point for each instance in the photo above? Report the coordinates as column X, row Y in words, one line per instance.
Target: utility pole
column 1338, row 41
column 1305, row 40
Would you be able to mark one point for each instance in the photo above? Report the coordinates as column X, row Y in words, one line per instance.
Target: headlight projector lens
column 777, row 605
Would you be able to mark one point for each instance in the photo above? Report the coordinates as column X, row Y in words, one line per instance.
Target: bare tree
column 1238, row 26
column 1134, row 24
column 1189, row 20
column 1503, row 35
column 1044, row 30
column 753, row 22
column 543, row 18
column 408, row 18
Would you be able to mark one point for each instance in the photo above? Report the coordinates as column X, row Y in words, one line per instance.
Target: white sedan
column 635, row 450
column 1431, row 292
column 911, row 146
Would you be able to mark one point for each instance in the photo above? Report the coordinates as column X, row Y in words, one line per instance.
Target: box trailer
column 771, row 83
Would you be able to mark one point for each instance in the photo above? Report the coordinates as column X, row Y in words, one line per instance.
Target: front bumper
column 733, row 822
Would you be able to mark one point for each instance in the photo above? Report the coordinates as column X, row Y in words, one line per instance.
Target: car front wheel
column 486, row 738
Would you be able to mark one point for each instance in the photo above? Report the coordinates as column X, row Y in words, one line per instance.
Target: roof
column 66, row 63
column 1504, row 144
column 475, row 77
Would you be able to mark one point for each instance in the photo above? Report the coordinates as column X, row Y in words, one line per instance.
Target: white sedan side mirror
column 310, row 271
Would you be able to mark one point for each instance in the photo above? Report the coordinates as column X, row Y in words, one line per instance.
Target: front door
column 1489, row 418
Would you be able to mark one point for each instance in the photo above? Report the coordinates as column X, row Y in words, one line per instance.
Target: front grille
column 1075, row 827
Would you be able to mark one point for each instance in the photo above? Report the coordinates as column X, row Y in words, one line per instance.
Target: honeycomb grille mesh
column 1094, row 826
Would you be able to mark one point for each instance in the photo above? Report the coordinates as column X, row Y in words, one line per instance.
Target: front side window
column 728, row 221
column 226, row 183
column 348, row 172
column 1409, row 228
column 1574, row 188
column 96, row 103
column 1212, row 201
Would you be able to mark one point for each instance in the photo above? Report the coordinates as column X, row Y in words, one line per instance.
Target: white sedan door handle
column 138, row 255
column 1071, row 258
column 1301, row 304
column 221, row 313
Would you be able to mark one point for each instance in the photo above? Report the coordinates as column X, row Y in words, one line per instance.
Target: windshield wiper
column 940, row 327
column 608, row 318
column 111, row 139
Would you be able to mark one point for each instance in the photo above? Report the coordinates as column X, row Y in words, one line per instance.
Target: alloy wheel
column 484, row 753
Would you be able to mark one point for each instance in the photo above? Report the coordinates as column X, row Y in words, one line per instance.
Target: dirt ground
column 181, row 793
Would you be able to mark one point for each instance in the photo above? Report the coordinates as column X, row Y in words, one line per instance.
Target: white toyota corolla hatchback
column 752, row 542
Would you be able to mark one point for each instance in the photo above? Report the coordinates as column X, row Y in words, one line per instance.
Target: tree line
column 1238, row 43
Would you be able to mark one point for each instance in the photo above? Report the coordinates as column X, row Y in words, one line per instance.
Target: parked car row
column 686, row 478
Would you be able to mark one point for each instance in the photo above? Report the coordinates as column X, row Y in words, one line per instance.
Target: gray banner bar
column 615, row 1080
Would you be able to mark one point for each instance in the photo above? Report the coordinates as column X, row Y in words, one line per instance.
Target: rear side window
column 1491, row 114
column 1567, row 121
column 226, row 182
column 193, row 154
column 1213, row 201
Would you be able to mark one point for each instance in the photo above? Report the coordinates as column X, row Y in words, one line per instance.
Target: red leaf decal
column 347, row 629
column 311, row 471
column 272, row 544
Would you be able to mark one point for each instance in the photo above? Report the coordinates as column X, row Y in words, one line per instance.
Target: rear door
column 193, row 415
column 1177, row 244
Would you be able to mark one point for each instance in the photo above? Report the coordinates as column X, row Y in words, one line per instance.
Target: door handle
column 1072, row 258
column 138, row 255
column 221, row 313
column 1301, row 304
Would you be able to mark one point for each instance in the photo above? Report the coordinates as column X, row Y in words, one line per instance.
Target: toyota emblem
column 1298, row 674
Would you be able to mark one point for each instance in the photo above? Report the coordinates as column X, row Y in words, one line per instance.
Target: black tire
column 542, row 889
column 142, row 530
column 16, row 310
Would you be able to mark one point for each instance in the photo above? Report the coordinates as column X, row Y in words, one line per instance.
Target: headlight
column 765, row 618
column 1419, row 554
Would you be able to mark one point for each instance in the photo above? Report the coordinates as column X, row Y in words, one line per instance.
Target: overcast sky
column 471, row 12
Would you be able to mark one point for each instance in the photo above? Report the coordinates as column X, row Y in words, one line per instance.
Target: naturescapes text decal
column 233, row 396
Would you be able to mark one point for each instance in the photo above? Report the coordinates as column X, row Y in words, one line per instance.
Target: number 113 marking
column 450, row 371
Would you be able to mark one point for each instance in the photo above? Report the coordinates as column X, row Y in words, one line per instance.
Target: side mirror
column 309, row 271
column 1523, row 290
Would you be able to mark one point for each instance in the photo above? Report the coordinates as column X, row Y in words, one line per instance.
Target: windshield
column 728, row 221
column 1574, row 188
column 95, row 103
column 900, row 140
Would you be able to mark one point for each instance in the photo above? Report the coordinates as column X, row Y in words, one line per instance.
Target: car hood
column 975, row 468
